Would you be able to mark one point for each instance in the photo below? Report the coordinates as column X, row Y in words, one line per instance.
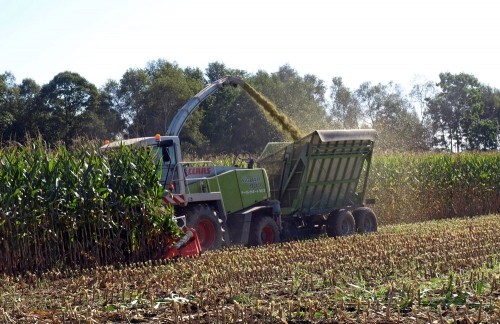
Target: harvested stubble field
column 438, row 271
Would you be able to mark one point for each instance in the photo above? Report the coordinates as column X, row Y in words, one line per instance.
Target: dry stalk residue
column 278, row 117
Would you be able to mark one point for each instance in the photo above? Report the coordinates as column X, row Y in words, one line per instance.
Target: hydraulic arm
column 183, row 114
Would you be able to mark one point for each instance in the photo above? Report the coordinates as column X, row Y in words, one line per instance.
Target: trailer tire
column 340, row 223
column 205, row 222
column 366, row 220
column 264, row 231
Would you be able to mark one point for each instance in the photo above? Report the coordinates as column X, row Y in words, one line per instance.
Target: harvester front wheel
column 205, row 222
column 264, row 231
column 340, row 223
column 366, row 221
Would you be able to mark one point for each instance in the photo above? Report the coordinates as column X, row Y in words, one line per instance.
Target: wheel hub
column 206, row 233
column 267, row 235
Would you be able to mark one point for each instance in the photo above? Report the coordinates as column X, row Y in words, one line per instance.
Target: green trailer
column 320, row 182
column 312, row 186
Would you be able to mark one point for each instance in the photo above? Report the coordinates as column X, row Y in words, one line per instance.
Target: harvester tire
column 264, row 231
column 205, row 222
column 366, row 220
column 340, row 223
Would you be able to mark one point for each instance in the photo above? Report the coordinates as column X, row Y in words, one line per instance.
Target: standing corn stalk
column 418, row 187
column 77, row 208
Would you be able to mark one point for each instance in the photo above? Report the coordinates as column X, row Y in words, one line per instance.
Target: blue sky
column 358, row 40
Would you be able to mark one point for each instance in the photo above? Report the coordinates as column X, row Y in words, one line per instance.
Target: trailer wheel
column 206, row 224
column 366, row 220
column 340, row 223
column 264, row 231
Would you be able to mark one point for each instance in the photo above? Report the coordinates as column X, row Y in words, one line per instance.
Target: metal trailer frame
column 321, row 172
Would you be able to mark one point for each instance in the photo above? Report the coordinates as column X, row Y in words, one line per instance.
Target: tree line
column 456, row 114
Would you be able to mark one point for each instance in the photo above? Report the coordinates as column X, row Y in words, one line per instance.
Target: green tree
column 315, row 89
column 17, row 102
column 27, row 100
column 8, row 103
column 391, row 113
column 167, row 90
column 63, row 107
column 220, row 112
column 147, row 99
column 130, row 97
column 402, row 133
column 109, row 111
column 171, row 87
column 481, row 128
column 487, row 127
column 250, row 126
column 232, row 121
column 293, row 96
column 370, row 97
column 301, row 99
column 421, row 93
column 461, row 114
column 345, row 109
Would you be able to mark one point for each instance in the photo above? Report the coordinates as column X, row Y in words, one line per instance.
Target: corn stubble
column 436, row 271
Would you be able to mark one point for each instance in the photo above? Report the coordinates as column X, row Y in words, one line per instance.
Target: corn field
column 418, row 187
column 78, row 208
column 445, row 271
